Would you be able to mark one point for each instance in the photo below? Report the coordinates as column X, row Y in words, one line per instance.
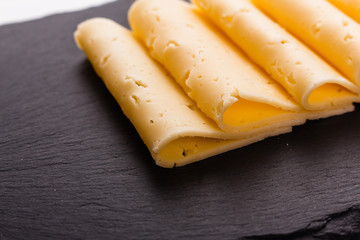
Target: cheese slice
column 311, row 81
column 175, row 131
column 235, row 93
column 222, row 81
column 350, row 7
column 323, row 27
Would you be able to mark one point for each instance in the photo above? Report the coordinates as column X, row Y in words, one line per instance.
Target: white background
column 12, row 11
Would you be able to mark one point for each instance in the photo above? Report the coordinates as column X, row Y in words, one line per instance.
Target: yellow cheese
column 350, row 7
column 309, row 79
column 323, row 27
column 172, row 127
column 210, row 69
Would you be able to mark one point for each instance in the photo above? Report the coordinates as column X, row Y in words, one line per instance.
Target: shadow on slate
column 73, row 167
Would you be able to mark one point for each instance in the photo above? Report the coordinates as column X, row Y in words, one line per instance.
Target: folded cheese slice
column 350, row 7
column 323, row 27
column 172, row 127
column 222, row 81
column 309, row 79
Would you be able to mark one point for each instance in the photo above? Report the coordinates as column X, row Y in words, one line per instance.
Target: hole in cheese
column 227, row 20
column 140, row 83
column 316, row 28
column 330, row 92
column 279, row 70
column 290, row 79
column 192, row 107
column 348, row 37
column 172, row 43
column 135, row 99
column 186, row 147
column 247, row 112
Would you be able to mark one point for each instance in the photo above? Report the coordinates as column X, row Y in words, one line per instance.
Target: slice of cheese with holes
column 323, row 27
column 223, row 82
column 173, row 128
column 310, row 80
column 350, row 7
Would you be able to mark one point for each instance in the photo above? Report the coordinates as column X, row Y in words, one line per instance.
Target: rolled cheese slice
column 310, row 80
column 323, row 27
column 175, row 131
column 350, row 7
column 226, row 86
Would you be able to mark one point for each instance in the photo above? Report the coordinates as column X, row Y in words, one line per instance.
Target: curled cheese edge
column 223, row 82
column 311, row 81
column 324, row 28
column 175, row 131
column 350, row 7
column 171, row 125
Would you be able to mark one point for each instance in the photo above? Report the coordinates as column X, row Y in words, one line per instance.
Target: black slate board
column 73, row 167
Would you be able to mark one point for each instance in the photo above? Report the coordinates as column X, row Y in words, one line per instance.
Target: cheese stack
column 330, row 32
column 311, row 81
column 192, row 93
